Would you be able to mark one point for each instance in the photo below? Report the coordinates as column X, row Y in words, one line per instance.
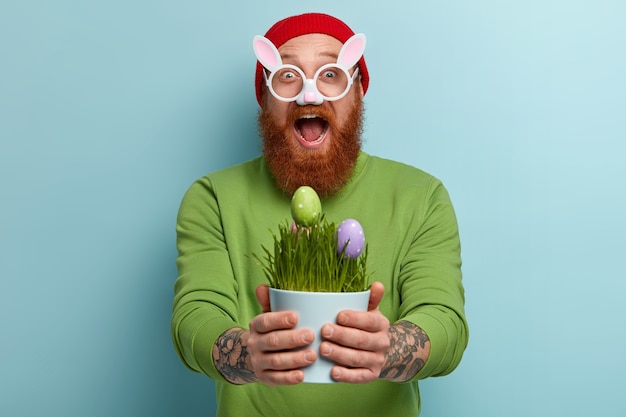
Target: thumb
column 376, row 295
column 263, row 297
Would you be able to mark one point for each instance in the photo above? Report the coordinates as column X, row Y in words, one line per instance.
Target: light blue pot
column 315, row 309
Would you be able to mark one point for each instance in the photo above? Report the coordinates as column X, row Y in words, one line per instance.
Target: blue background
column 109, row 110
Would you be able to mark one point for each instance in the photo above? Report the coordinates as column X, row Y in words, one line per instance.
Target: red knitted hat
column 305, row 24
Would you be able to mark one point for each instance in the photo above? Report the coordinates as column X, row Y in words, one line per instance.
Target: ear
column 266, row 52
column 352, row 51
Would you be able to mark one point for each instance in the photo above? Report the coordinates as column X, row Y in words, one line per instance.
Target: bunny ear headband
column 268, row 55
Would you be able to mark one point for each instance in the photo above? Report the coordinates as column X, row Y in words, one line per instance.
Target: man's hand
column 273, row 342
column 358, row 342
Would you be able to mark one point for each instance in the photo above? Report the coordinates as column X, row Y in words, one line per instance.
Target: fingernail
column 290, row 320
column 309, row 357
column 325, row 349
column 327, row 331
column 299, row 377
column 307, row 338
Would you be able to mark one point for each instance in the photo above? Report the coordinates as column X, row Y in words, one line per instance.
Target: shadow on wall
column 151, row 380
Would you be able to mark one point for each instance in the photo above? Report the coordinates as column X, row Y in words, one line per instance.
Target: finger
column 273, row 378
column 263, row 297
column 267, row 322
column 370, row 321
column 376, row 295
column 283, row 340
column 351, row 358
column 353, row 375
column 355, row 338
column 285, row 361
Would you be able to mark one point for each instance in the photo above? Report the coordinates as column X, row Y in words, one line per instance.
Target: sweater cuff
column 202, row 345
column 438, row 337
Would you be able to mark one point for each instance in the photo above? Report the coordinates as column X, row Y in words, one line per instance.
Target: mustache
column 303, row 111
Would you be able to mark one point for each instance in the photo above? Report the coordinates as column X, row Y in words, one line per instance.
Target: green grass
column 307, row 259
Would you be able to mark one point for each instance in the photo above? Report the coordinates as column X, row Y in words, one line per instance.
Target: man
column 415, row 326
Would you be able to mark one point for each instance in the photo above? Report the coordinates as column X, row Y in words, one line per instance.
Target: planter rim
column 319, row 292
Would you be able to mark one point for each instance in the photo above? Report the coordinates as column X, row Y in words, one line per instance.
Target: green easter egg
column 306, row 207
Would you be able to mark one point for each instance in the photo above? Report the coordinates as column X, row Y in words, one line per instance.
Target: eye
column 287, row 75
column 329, row 74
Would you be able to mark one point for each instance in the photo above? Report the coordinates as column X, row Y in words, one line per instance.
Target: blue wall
column 109, row 110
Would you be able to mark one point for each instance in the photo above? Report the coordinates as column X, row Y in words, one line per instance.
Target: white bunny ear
column 266, row 52
column 352, row 51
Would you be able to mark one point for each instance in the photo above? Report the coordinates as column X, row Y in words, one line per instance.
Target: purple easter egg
column 350, row 232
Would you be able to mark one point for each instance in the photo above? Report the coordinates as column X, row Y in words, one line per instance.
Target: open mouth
column 311, row 130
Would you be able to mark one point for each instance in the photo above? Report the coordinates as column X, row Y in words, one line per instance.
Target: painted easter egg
column 306, row 207
column 350, row 234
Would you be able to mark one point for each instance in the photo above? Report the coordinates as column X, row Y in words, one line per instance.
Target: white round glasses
column 289, row 83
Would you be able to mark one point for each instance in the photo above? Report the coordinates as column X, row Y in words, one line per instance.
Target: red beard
column 326, row 170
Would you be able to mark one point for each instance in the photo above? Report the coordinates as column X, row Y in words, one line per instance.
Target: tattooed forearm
column 407, row 353
column 231, row 358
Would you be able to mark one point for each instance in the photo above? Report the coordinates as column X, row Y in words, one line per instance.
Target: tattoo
column 230, row 356
column 407, row 353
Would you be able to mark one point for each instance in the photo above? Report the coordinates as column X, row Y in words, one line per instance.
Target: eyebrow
column 321, row 54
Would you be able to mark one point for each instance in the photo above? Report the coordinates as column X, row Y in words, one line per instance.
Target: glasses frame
column 309, row 84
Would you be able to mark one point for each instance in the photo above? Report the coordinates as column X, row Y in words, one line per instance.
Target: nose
column 309, row 95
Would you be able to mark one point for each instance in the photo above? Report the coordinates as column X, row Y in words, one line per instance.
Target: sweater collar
column 361, row 162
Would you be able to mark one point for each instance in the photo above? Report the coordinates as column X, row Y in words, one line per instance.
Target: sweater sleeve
column 205, row 293
column 430, row 284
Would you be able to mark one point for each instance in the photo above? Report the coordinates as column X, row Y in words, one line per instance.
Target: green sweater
column 414, row 250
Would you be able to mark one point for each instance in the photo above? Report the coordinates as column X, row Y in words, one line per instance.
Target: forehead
column 311, row 46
